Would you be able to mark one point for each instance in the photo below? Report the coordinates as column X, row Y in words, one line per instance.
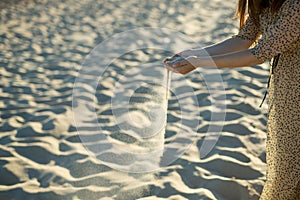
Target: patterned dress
column 280, row 35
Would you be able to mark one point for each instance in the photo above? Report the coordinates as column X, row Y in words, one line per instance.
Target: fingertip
column 167, row 59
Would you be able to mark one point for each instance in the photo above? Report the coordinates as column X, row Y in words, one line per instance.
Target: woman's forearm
column 231, row 60
column 231, row 53
column 227, row 46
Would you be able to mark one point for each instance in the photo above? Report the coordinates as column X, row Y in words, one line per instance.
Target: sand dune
column 42, row 156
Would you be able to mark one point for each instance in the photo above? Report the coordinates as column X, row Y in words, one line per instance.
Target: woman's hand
column 180, row 64
column 236, row 59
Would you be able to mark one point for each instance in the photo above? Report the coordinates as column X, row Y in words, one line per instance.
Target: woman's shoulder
column 290, row 5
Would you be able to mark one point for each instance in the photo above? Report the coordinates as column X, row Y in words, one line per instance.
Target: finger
column 180, row 64
column 168, row 66
column 167, row 59
column 171, row 68
column 171, row 58
column 175, row 58
column 174, row 61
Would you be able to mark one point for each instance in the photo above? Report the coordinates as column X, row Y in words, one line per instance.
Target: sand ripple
column 41, row 155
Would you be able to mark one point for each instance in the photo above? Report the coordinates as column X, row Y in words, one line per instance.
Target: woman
column 278, row 24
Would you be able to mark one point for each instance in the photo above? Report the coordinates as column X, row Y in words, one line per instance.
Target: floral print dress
column 280, row 36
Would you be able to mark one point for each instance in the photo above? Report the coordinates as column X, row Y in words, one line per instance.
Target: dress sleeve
column 281, row 34
column 250, row 31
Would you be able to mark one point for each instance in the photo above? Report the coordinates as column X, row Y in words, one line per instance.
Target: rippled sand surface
column 43, row 45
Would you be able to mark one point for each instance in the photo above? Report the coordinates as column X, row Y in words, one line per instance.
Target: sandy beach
column 47, row 133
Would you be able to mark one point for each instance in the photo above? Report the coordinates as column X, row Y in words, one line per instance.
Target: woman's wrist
column 202, row 61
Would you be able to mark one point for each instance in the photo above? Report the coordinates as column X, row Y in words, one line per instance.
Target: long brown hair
column 255, row 7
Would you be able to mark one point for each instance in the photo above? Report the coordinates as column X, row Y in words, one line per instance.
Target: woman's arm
column 227, row 46
column 231, row 60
